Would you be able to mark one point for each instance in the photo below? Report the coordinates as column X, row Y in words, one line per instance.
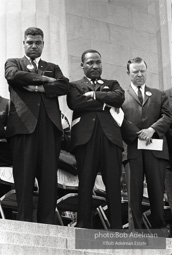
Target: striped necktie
column 34, row 64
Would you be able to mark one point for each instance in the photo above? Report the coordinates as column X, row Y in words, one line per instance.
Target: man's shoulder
column 14, row 59
column 126, row 89
column 47, row 62
column 154, row 91
column 110, row 81
column 84, row 79
column 168, row 91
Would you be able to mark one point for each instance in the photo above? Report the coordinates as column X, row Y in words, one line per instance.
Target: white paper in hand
column 118, row 116
column 156, row 145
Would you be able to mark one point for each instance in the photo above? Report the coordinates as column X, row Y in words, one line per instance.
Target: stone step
column 36, row 228
column 12, row 249
column 18, row 237
column 24, row 238
column 34, row 239
column 27, row 240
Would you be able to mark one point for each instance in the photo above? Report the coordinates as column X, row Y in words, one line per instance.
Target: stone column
column 163, row 13
column 18, row 15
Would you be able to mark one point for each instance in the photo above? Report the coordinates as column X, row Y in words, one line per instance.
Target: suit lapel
column 146, row 95
column 26, row 63
column 42, row 67
column 87, row 83
column 133, row 94
column 90, row 85
column 147, row 91
column 98, row 85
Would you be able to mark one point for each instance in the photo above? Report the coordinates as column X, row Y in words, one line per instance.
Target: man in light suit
column 34, row 126
column 96, row 137
column 148, row 110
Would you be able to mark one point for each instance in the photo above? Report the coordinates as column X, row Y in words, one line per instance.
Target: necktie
column 94, row 83
column 34, row 64
column 140, row 97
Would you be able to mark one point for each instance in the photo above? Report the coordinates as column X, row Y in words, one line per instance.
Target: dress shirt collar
column 92, row 80
column 142, row 88
column 36, row 60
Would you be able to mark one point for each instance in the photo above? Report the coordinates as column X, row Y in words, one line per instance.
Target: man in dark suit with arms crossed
column 96, row 137
column 34, row 126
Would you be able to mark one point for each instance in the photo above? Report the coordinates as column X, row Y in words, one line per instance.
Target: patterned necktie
column 34, row 64
column 140, row 97
column 94, row 82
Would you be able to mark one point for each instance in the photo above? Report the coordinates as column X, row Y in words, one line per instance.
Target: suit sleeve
column 16, row 77
column 19, row 78
column 59, row 87
column 162, row 125
column 78, row 102
column 129, row 131
column 115, row 97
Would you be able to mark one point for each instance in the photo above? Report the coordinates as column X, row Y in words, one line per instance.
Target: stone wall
column 120, row 30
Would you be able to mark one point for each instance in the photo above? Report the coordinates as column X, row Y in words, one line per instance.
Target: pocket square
column 105, row 88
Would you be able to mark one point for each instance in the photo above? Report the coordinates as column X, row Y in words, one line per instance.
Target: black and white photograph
column 86, row 127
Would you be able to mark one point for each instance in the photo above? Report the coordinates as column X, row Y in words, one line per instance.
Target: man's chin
column 94, row 77
column 139, row 83
column 34, row 56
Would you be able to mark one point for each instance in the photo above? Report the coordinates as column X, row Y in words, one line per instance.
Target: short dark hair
column 135, row 60
column 33, row 31
column 88, row 51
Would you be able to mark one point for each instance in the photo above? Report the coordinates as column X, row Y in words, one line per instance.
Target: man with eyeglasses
column 34, row 126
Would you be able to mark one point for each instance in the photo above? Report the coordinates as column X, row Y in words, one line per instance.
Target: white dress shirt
column 142, row 88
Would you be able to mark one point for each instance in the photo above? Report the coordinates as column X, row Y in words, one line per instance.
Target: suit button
column 94, row 119
column 38, row 104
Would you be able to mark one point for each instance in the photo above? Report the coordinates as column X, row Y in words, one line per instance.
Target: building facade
column 119, row 29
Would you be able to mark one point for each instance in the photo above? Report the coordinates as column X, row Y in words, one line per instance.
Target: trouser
column 99, row 155
column 154, row 170
column 168, row 185
column 36, row 155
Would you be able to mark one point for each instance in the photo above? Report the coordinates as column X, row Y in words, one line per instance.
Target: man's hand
column 117, row 110
column 35, row 89
column 146, row 134
column 48, row 79
column 89, row 95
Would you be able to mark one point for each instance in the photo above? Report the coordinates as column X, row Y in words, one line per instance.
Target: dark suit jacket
column 4, row 108
column 154, row 113
column 168, row 93
column 25, row 105
column 85, row 111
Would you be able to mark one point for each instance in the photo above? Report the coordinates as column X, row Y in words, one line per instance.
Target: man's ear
column 82, row 65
